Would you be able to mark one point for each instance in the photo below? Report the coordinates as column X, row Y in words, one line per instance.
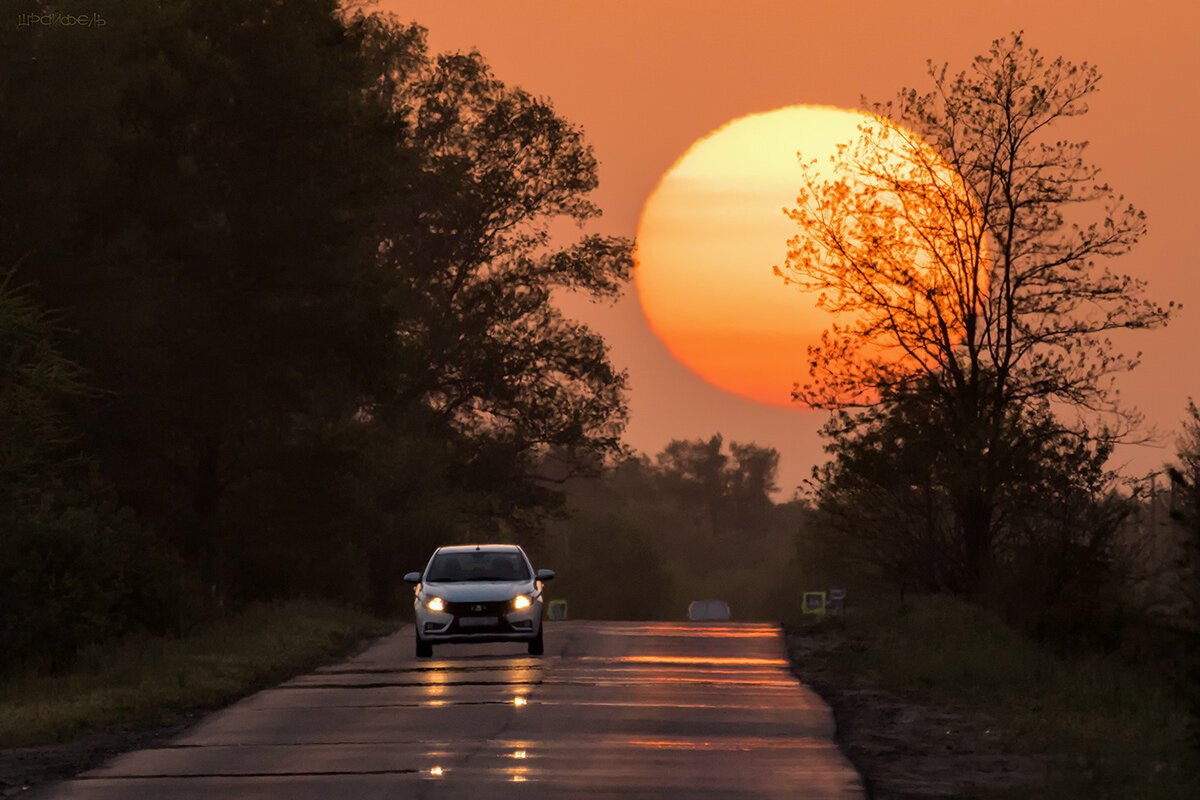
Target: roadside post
column 837, row 600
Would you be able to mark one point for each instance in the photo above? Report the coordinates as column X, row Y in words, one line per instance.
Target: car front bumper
column 469, row 622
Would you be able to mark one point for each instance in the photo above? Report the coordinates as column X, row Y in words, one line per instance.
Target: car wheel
column 424, row 648
column 537, row 646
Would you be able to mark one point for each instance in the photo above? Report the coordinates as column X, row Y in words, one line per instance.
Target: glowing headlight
column 520, row 601
column 436, row 604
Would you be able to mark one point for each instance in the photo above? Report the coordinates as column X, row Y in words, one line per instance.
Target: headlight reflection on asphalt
column 433, row 685
column 520, row 701
column 518, row 774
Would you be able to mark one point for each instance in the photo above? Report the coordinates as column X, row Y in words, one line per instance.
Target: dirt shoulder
column 23, row 768
column 907, row 749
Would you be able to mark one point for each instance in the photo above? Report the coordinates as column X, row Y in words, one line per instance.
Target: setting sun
column 710, row 235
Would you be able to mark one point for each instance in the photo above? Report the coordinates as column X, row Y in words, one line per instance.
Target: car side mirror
column 412, row 577
column 545, row 574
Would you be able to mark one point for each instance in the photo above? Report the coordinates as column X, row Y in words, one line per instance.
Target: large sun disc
column 711, row 233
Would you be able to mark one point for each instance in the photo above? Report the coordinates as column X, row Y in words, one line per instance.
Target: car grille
column 492, row 609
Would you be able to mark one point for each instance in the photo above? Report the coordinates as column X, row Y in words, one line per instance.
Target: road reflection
column 669, row 711
column 756, row 744
column 713, row 705
column 741, row 631
column 699, row 661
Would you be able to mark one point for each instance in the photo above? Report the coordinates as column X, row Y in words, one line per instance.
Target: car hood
column 478, row 592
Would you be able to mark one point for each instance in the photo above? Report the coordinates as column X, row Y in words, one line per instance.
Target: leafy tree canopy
column 969, row 246
column 984, row 283
column 309, row 265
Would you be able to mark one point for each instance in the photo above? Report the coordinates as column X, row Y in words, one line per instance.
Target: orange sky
column 646, row 78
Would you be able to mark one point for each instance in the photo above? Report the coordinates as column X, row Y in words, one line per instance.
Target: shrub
column 79, row 570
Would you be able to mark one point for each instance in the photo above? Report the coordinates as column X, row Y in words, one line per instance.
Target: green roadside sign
column 814, row 602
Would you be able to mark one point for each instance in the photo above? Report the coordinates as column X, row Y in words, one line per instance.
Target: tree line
column 276, row 312
column 697, row 521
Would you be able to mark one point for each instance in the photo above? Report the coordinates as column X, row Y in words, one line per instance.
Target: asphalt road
column 612, row 710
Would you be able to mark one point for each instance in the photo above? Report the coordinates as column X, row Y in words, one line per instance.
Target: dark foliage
column 893, row 490
column 1185, row 479
column 76, row 568
column 306, row 265
column 645, row 538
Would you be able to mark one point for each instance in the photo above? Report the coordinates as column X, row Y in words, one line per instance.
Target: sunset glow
column 712, row 231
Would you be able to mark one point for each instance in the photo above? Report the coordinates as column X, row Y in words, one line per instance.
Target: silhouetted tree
column 1185, row 476
column 483, row 362
column 752, row 483
column 482, row 347
column 209, row 250
column 978, row 290
column 694, row 471
column 308, row 264
column 730, row 491
column 1185, row 482
column 889, row 495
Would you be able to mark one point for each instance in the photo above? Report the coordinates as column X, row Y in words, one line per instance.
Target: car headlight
column 436, row 604
column 520, row 601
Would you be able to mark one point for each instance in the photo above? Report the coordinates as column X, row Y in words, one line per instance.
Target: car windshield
column 477, row 566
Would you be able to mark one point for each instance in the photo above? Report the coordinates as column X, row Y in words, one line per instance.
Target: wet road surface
column 613, row 710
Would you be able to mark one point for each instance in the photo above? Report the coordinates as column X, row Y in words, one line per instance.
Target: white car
column 479, row 593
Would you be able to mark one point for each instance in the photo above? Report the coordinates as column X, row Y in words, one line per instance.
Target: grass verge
column 147, row 680
column 1112, row 730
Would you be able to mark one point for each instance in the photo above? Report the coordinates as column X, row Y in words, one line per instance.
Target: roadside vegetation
column 976, row 468
column 1094, row 677
column 146, row 680
column 1108, row 728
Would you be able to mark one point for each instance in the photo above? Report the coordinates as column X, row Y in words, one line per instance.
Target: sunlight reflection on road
column 622, row 711
column 732, row 631
column 701, row 661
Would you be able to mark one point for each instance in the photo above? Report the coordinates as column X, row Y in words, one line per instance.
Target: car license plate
column 479, row 622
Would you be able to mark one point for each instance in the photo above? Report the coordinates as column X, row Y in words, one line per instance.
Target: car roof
column 484, row 548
